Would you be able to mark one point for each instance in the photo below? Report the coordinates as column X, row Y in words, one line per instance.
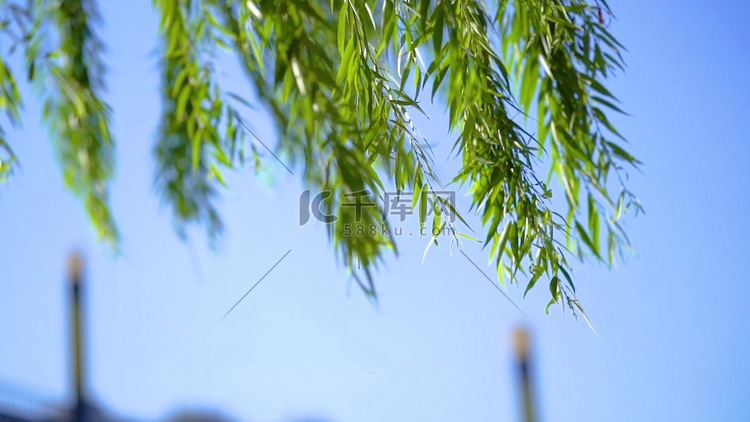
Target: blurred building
column 15, row 406
column 21, row 406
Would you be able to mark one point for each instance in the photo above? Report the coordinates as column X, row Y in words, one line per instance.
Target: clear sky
column 674, row 337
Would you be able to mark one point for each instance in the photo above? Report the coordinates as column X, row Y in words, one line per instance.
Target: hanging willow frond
column 342, row 81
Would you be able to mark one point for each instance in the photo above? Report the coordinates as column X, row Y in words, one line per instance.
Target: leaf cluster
column 342, row 80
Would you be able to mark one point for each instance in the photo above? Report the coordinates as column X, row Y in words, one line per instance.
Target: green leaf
column 341, row 33
column 492, row 231
column 345, row 66
column 340, row 86
column 467, row 237
column 536, row 274
column 437, row 32
column 423, row 201
column 182, row 101
column 587, row 240
column 554, row 286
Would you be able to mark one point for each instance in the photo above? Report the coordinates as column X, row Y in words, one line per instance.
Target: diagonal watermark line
column 259, row 141
column 254, row 285
column 493, row 283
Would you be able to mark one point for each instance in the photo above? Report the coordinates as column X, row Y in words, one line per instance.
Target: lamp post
column 75, row 275
column 522, row 349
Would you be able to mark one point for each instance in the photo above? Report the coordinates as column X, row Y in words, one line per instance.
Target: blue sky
column 673, row 339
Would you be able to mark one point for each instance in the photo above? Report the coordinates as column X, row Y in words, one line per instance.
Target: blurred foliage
column 342, row 79
column 62, row 58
